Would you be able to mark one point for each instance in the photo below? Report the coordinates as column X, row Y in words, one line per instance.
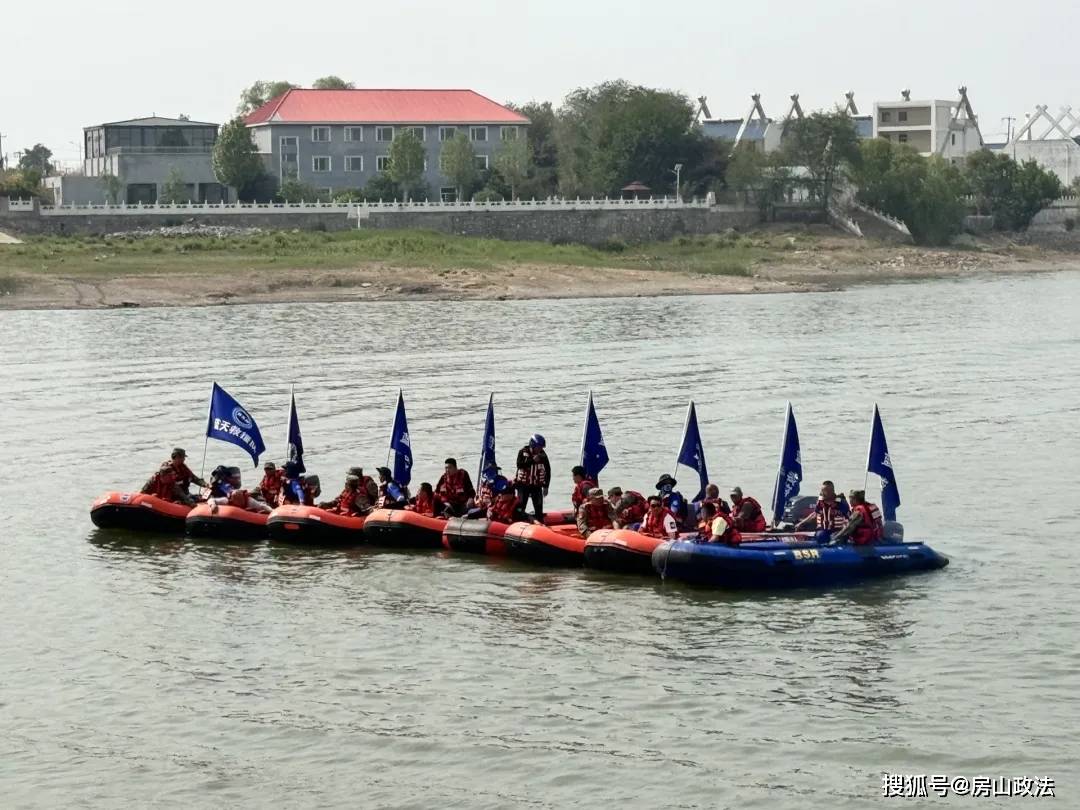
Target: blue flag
column 487, row 452
column 229, row 422
column 880, row 464
column 400, row 444
column 594, row 455
column 691, row 453
column 789, row 475
column 296, row 444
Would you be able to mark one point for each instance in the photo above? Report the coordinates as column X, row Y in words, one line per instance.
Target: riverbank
column 181, row 268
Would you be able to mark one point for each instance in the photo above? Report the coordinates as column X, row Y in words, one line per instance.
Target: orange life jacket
column 730, row 535
column 870, row 527
column 424, row 505
column 345, row 503
column 581, row 491
column 162, row 484
column 756, row 521
column 455, row 488
column 634, row 513
column 502, row 511
column 654, row 524
column 270, row 485
column 597, row 515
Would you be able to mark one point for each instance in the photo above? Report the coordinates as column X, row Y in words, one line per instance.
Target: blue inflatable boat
column 780, row 564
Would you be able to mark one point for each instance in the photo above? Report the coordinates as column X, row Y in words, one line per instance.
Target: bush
column 488, row 195
column 294, row 191
column 1014, row 193
column 613, row 245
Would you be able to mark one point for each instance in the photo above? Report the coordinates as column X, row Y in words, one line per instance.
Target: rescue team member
column 392, row 495
column 706, row 515
column 219, row 481
column 712, row 495
column 582, row 485
column 237, row 497
column 672, row 499
column 369, row 490
column 746, row 512
column 270, row 486
column 424, row 502
column 630, row 506
column 723, row 527
column 455, row 489
column 485, row 495
column 351, row 501
column 292, row 487
column 506, row 508
column 162, row 484
column 184, row 476
column 865, row 526
column 830, row 513
column 595, row 514
column 659, row 522
column 533, row 476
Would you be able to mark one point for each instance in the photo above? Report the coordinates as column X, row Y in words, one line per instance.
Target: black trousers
column 536, row 494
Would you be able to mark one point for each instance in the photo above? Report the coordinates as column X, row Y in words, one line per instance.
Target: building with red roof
column 339, row 139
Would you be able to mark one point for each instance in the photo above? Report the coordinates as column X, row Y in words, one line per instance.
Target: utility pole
column 1009, row 119
column 1, row 151
column 677, row 171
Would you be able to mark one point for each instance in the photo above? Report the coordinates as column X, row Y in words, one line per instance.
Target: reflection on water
column 209, row 673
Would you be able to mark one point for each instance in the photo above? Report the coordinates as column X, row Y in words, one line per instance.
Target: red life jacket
column 270, row 485
column 162, row 485
column 581, row 491
column 534, row 470
column 184, row 476
column 828, row 516
column 870, row 527
column 654, row 524
column 454, row 488
column 756, row 521
column 730, row 535
column 345, row 503
column 597, row 515
column 424, row 505
column 485, row 496
column 502, row 511
column 634, row 513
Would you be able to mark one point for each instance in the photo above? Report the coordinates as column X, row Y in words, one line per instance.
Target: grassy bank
column 729, row 254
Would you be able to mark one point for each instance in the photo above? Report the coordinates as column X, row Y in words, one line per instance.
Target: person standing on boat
column 533, row 475
column 829, row 515
column 659, row 522
column 455, row 488
column 392, row 495
column 630, row 506
column 582, row 484
column 351, row 501
column 270, row 487
column 865, row 525
column 595, row 514
column 746, row 512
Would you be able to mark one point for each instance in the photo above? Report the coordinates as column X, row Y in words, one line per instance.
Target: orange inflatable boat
column 227, row 523
column 309, row 525
column 401, row 528
column 138, row 512
column 475, row 536
column 547, row 545
column 621, row 550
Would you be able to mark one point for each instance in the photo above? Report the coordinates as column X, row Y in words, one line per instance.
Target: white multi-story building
column 936, row 127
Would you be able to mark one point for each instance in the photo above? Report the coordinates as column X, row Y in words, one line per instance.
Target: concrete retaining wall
column 98, row 224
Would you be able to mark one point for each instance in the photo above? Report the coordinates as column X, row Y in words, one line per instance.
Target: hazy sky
column 106, row 60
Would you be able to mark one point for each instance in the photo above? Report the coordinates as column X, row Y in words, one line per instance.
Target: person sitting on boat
column 829, row 515
column 162, row 484
column 582, row 484
column 865, row 525
column 351, row 501
column 425, row 501
column 672, row 499
column 236, row 496
column 485, row 494
column 270, row 487
column 392, row 495
column 706, row 515
column 595, row 514
column 712, row 495
column 506, row 508
column 723, row 528
column 455, row 488
column 219, row 482
column 292, row 486
column 630, row 506
column 746, row 512
column 369, row 490
column 533, row 476
column 184, row 476
column 659, row 522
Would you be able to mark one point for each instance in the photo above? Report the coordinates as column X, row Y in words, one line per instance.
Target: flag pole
column 390, row 447
column 585, row 428
column 288, row 417
column 686, row 426
column 869, row 447
column 206, row 437
column 483, row 450
column 783, row 444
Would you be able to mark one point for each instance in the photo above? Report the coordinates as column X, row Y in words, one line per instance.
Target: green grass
column 728, row 254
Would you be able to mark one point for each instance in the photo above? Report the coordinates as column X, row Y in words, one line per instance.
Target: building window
column 954, row 139
column 447, row 133
column 901, row 116
column 354, row 134
column 320, row 164
column 382, row 163
column 478, row 133
column 902, row 137
column 320, row 134
column 448, row 194
column 384, row 134
column 419, row 132
column 354, row 163
column 885, row 116
column 482, row 162
column 508, row 133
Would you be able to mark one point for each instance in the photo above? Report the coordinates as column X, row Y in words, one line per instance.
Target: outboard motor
column 893, row 531
column 797, row 509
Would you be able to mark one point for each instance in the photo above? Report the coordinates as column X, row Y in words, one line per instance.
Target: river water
column 157, row 672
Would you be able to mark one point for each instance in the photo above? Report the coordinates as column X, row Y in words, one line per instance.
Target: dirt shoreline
column 829, row 264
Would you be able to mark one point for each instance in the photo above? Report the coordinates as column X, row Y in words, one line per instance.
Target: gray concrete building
column 338, row 140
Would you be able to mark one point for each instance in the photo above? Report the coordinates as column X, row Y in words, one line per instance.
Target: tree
column 174, row 190
column 821, row 142
column 112, row 186
column 512, row 162
column 259, row 93
column 332, row 83
column 458, row 164
column 37, row 158
column 406, row 164
column 382, row 188
column 542, row 180
column 746, row 171
column 294, row 191
column 235, row 160
column 1014, row 193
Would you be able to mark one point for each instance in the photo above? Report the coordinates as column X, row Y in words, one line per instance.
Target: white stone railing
column 20, row 205
column 362, row 209
column 887, row 219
